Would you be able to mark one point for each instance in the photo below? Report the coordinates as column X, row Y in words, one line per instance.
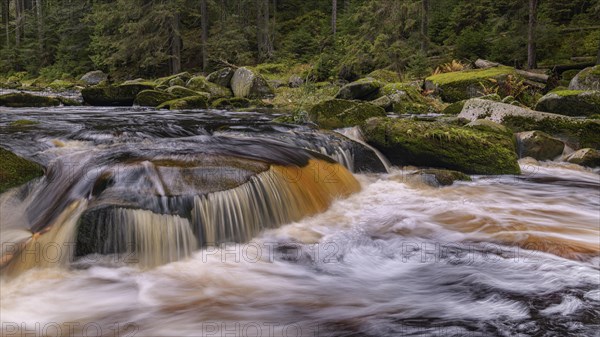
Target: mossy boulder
column 339, row 113
column 177, row 79
column 191, row 102
column 585, row 157
column 181, row 91
column 15, row 171
column 59, row 85
column 200, row 83
column 435, row 144
column 587, row 79
column 247, row 84
column 402, row 98
column 233, row 102
column 94, row 77
column 570, row 102
column 439, row 177
column 577, row 133
column 153, row 98
column 487, row 125
column 454, row 108
column 539, row 145
column 221, row 77
column 365, row 89
column 461, row 85
column 383, row 75
column 22, row 100
column 23, row 123
column 114, row 95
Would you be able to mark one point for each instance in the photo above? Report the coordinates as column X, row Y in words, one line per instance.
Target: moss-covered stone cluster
column 461, row 85
column 15, row 171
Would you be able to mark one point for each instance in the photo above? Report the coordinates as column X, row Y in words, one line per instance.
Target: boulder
column 487, row 125
column 245, row 83
column 295, row 81
column 539, row 145
column 577, row 133
column 585, row 157
column 454, row 108
column 191, row 102
column 221, row 77
column 113, row 95
column 435, row 144
column 338, row 113
column 365, row 89
column 15, row 171
column 177, row 79
column 461, row 85
column 570, row 102
column 61, row 85
column 402, row 98
column 200, row 83
column 438, row 177
column 21, row 100
column 587, row 79
column 386, row 76
column 94, row 77
column 153, row 98
column 233, row 102
column 180, row 91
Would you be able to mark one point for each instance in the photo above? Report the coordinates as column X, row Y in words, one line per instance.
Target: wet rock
column 113, row 95
column 570, row 102
column 438, row 177
column 200, row 83
column 153, row 98
column 247, row 84
column 295, row 81
column 585, row 157
column 539, row 145
column 21, row 100
column 221, row 77
column 338, row 113
column 487, row 125
column 364, row 89
column 15, row 171
column 587, row 79
column 435, row 144
column 177, row 79
column 94, row 77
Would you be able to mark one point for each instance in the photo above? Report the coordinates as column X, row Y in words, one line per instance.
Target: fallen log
column 536, row 77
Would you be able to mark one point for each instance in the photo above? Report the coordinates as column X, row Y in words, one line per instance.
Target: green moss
column 233, row 102
column 434, row 144
column 153, row 97
column 570, row 102
column 460, row 85
column 23, row 123
column 192, row 102
column 61, row 85
column 454, row 108
column 20, row 100
column 577, row 133
column 383, row 75
column 569, row 74
column 338, row 113
column 15, row 171
column 183, row 77
column 565, row 93
column 471, row 75
column 200, row 83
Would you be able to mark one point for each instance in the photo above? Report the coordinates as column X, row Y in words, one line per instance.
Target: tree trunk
column 263, row 36
column 267, row 31
column 6, row 19
column 40, row 30
column 334, row 17
column 175, row 45
column 598, row 59
column 425, row 25
column 531, row 57
column 204, row 34
column 18, row 22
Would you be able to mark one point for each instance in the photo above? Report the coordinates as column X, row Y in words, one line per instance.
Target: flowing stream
column 214, row 223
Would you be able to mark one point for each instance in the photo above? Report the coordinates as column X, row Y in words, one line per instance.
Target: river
column 385, row 255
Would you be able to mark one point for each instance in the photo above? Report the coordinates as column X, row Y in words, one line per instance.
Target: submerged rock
column 94, row 77
column 585, row 157
column 539, row 145
column 434, row 144
column 339, row 113
column 15, row 171
column 570, row 102
column 153, row 98
column 247, row 84
column 21, row 100
column 461, row 85
column 200, row 83
column 114, row 95
column 364, row 89
column 438, row 177
column 587, row 79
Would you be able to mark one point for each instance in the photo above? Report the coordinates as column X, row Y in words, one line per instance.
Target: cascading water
column 152, row 223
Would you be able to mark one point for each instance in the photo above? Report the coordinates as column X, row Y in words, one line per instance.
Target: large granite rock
column 570, row 102
column 339, row 113
column 247, row 84
column 94, row 77
column 539, row 145
column 587, row 79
